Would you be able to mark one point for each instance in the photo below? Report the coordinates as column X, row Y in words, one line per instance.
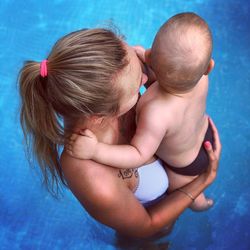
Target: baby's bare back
column 187, row 128
column 186, row 125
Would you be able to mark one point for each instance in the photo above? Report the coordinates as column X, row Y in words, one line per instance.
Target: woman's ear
column 210, row 67
column 96, row 119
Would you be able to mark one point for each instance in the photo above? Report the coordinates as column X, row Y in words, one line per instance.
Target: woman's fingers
column 209, row 149
column 213, row 152
column 217, row 143
column 213, row 160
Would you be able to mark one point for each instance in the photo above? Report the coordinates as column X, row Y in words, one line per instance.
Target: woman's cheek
column 144, row 79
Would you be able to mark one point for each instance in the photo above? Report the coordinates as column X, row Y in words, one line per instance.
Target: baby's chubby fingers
column 68, row 141
column 68, row 148
column 140, row 51
column 73, row 137
column 87, row 132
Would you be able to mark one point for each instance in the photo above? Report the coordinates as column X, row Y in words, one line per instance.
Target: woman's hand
column 213, row 154
column 82, row 146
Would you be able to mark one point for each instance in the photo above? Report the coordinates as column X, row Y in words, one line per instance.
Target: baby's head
column 181, row 52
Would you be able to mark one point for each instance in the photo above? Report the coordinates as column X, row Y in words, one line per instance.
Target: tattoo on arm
column 128, row 173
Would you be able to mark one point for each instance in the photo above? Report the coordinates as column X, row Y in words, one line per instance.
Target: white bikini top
column 152, row 183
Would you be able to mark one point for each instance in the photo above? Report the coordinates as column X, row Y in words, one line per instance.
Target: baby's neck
column 177, row 93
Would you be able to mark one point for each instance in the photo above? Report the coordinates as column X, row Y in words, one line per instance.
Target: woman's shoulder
column 89, row 181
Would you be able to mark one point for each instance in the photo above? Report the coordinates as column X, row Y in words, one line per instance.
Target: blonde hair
column 181, row 52
column 82, row 69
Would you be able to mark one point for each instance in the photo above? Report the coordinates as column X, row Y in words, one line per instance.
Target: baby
column 171, row 119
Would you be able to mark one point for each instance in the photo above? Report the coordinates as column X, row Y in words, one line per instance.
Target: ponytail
column 78, row 80
column 42, row 130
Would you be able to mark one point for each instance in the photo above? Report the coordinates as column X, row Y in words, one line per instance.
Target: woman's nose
column 144, row 79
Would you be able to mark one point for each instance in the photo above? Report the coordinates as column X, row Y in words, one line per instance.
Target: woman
column 91, row 79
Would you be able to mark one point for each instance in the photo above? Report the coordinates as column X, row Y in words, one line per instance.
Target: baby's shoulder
column 150, row 101
column 155, row 105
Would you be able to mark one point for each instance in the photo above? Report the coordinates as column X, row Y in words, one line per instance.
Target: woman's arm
column 174, row 204
column 115, row 205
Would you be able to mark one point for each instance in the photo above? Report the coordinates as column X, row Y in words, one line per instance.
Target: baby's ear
column 210, row 67
column 147, row 56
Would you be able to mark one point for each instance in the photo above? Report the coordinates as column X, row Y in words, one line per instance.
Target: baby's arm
column 151, row 129
column 143, row 55
column 149, row 133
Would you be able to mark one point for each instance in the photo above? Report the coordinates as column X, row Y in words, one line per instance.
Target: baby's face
column 130, row 80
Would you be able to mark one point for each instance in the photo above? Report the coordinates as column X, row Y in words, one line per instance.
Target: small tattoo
column 128, row 173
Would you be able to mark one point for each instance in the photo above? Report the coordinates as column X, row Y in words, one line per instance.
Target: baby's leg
column 176, row 181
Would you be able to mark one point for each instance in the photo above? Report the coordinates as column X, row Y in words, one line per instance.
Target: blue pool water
column 30, row 218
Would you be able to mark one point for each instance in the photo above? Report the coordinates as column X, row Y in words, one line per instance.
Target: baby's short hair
column 181, row 52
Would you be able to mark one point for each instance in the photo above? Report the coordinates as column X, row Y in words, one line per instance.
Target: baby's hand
column 144, row 56
column 82, row 146
column 140, row 52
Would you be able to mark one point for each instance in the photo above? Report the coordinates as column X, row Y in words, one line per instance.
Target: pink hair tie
column 43, row 68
